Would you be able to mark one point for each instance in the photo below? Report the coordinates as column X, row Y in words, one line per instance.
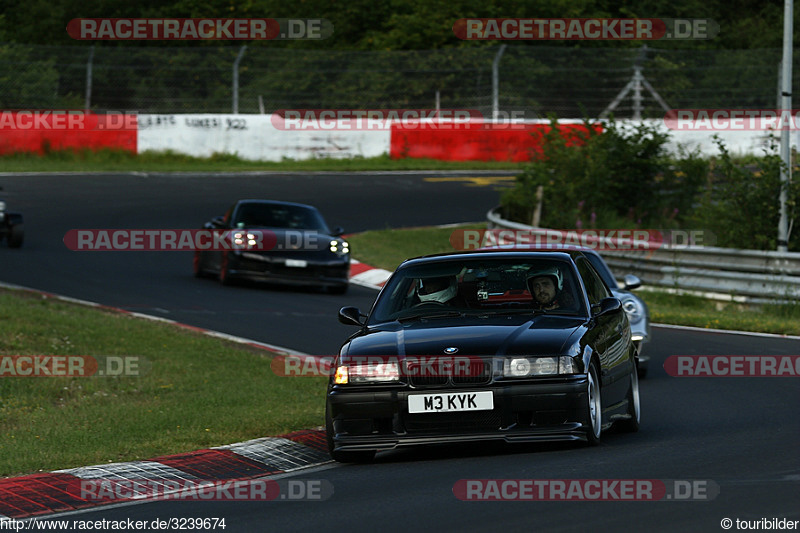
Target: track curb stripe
column 53, row 492
column 368, row 276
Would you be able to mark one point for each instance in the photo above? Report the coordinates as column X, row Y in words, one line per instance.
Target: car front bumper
column 548, row 410
column 274, row 268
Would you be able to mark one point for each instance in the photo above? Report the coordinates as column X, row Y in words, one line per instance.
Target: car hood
column 500, row 335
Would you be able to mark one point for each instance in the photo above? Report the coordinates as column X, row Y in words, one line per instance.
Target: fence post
column 496, row 82
column 786, row 106
column 236, row 79
column 88, row 101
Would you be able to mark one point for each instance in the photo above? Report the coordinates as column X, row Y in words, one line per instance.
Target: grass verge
column 122, row 161
column 199, row 391
column 388, row 248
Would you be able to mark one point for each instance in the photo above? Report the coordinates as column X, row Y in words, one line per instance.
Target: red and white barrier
column 265, row 138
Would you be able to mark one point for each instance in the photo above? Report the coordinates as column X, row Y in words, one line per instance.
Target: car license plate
column 451, row 401
column 297, row 263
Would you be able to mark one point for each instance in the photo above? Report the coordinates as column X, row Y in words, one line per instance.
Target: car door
column 611, row 334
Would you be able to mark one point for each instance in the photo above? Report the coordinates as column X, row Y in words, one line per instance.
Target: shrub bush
column 620, row 177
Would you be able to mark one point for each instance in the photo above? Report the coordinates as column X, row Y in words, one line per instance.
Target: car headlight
column 339, row 247
column 2, row 205
column 633, row 308
column 524, row 367
column 244, row 239
column 367, row 372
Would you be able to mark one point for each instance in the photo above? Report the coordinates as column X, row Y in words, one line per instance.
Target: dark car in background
column 281, row 242
column 11, row 226
column 457, row 348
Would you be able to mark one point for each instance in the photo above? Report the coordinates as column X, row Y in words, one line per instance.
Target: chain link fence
column 533, row 80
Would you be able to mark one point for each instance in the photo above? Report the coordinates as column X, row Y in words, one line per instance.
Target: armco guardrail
column 751, row 275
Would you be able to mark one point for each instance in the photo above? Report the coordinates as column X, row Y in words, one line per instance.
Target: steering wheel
column 432, row 303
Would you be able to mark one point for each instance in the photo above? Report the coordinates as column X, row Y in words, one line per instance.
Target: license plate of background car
column 450, row 401
column 298, row 263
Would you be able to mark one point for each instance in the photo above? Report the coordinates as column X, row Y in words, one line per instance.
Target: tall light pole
column 786, row 107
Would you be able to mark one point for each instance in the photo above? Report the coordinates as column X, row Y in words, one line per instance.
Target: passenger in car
column 441, row 289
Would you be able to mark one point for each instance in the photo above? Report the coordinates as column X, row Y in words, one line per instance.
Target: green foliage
column 621, row 177
column 28, row 80
column 403, row 24
column 740, row 204
column 624, row 178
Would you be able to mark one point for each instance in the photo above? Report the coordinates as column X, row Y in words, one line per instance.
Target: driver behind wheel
column 547, row 288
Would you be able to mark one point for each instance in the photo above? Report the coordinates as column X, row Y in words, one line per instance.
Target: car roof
column 554, row 247
column 273, row 202
column 499, row 253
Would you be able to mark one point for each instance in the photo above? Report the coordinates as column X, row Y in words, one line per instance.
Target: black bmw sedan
column 491, row 345
column 272, row 241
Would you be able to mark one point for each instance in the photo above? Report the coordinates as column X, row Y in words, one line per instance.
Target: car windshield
column 278, row 216
column 480, row 286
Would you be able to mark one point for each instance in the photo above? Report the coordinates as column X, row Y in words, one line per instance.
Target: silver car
column 635, row 308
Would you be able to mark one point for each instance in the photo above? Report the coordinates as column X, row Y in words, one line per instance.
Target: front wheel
column 16, row 236
column 631, row 425
column 197, row 265
column 224, row 275
column 594, row 407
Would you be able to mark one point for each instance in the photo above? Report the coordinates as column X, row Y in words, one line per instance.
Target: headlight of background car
column 367, row 372
column 340, row 247
column 632, row 308
column 244, row 239
column 525, row 367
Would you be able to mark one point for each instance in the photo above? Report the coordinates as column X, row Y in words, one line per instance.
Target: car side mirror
column 218, row 221
column 607, row 306
column 632, row 282
column 337, row 231
column 350, row 316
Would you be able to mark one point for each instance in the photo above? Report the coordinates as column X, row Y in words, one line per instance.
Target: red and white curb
column 55, row 492
column 368, row 276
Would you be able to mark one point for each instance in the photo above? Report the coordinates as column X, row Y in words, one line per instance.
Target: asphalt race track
column 737, row 434
column 161, row 283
